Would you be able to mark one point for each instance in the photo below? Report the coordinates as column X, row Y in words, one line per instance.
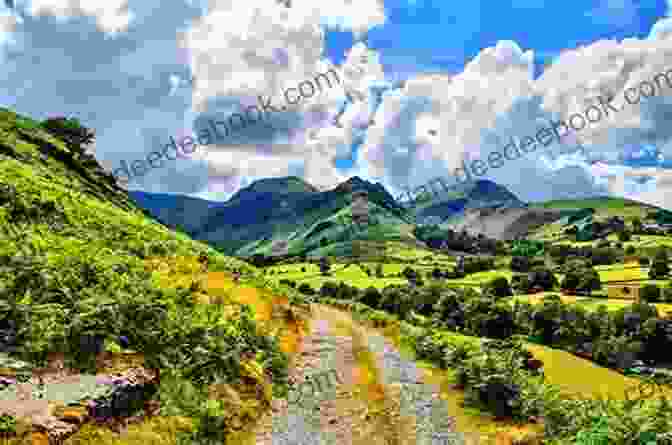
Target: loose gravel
column 434, row 424
column 337, row 416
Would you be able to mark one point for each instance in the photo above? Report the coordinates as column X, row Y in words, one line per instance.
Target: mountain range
column 289, row 216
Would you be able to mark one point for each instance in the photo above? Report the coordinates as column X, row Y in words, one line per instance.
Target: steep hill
column 82, row 267
column 280, row 210
column 482, row 194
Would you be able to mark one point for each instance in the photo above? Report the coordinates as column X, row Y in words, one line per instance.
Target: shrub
column 603, row 243
column 426, row 299
column 650, row 293
column 604, row 256
column 325, row 266
column 543, row 278
column 624, row 236
column 329, row 290
column 644, row 261
column 379, row 271
column 520, row 283
column 666, row 294
column 582, row 279
column 547, row 317
column 493, row 378
column 630, row 250
column 571, row 281
column 305, row 289
column 409, row 273
column 659, row 268
column 71, row 131
column 448, row 309
column 520, row 264
column 371, row 297
column 485, row 319
column 398, row 301
column 499, row 287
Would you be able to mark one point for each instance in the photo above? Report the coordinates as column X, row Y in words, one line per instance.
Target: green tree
column 498, row 287
column 379, row 271
column 325, row 266
column 659, row 268
column 650, row 293
column 543, row 278
column 70, row 131
column 636, row 225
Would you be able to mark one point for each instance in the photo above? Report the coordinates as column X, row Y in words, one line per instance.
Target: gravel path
column 418, row 400
column 412, row 412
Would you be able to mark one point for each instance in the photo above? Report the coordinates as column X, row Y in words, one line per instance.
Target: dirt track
column 370, row 406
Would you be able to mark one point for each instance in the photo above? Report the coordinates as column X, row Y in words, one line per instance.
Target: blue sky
column 474, row 73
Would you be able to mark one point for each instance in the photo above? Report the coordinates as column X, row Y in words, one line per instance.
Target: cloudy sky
column 425, row 84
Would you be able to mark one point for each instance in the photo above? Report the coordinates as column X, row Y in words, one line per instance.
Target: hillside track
column 379, row 398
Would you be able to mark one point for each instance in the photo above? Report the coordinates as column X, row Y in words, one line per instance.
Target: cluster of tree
column 651, row 293
column 71, row 131
column 613, row 339
column 659, row 217
column 524, row 264
column 437, row 238
column 600, row 255
column 659, row 267
column 470, row 265
column 259, row 260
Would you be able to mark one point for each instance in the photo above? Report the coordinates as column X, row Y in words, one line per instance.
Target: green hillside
column 79, row 260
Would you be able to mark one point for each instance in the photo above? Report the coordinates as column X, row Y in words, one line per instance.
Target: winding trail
column 380, row 399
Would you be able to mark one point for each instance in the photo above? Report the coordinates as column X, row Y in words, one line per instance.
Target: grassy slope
column 69, row 219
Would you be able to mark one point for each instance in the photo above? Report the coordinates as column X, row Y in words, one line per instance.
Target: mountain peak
column 286, row 184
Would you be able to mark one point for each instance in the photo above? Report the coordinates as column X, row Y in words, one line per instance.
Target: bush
column 305, row 289
column 520, row 264
column 644, row 261
column 650, row 293
column 371, row 298
column 543, row 278
column 426, row 298
column 604, row 257
column 585, row 279
column 379, row 271
column 398, row 301
column 659, row 268
column 448, row 309
column 666, row 296
column 493, row 378
column 624, row 236
column 499, row 287
column 290, row 283
column 571, row 281
column 325, row 266
column 329, row 289
column 410, row 273
column 520, row 284
column 485, row 319
column 630, row 250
